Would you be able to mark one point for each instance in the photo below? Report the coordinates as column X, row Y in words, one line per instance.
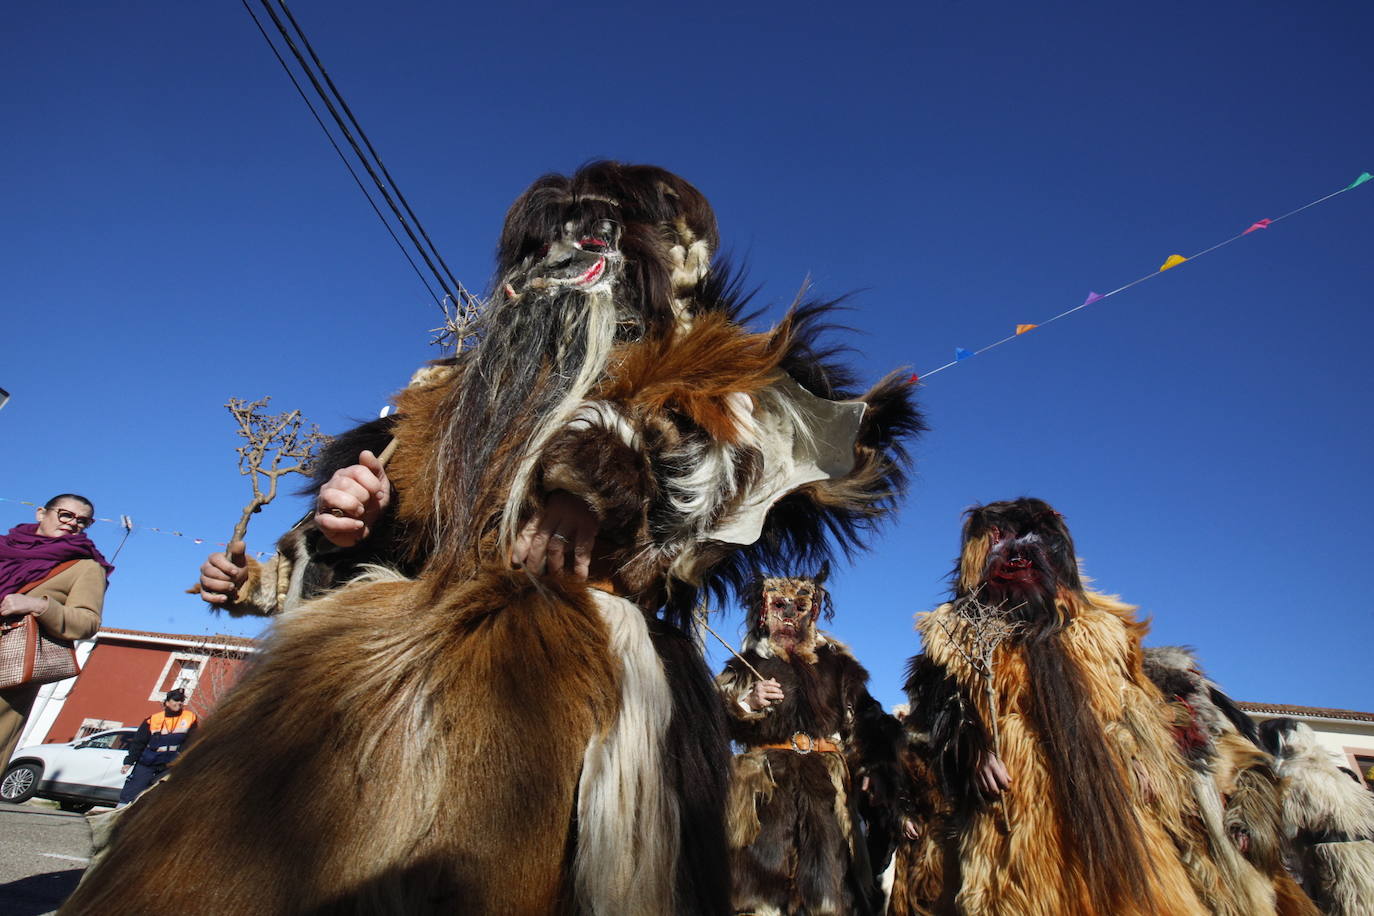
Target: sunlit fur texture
column 798, row 844
column 1099, row 817
column 482, row 740
column 1237, row 788
column 1329, row 815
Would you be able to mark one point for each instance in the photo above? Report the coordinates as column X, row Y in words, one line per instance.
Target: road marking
column 56, row 855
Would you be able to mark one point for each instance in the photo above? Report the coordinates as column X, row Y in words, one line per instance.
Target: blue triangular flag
column 960, row 354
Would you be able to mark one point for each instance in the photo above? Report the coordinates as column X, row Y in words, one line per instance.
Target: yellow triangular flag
column 1023, row 328
column 1173, row 261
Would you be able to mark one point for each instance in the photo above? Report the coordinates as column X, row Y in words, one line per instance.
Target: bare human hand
column 351, row 502
column 565, row 521
column 992, row 777
column 764, row 694
column 222, row 574
column 910, row 830
column 19, row 605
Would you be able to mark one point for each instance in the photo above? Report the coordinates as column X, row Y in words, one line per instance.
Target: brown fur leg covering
column 329, row 782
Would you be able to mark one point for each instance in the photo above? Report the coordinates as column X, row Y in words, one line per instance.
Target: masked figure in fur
column 819, row 761
column 1235, row 783
column 1053, row 781
column 514, row 719
column 1329, row 815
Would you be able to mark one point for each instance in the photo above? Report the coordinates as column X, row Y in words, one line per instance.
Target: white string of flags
column 961, row 354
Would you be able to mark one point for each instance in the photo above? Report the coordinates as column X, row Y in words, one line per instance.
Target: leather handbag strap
column 56, row 570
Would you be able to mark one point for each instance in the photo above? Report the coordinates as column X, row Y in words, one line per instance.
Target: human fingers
column 556, row 553
column 345, row 493
column 530, row 545
column 371, row 479
column 381, row 484
column 216, row 583
column 584, row 539
column 219, row 566
column 341, row 531
column 909, row 829
column 999, row 772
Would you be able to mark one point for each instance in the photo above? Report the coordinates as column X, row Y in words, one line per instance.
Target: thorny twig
column 460, row 322
column 985, row 629
column 282, row 436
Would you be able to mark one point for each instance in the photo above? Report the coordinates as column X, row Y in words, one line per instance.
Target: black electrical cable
column 348, row 135
column 362, row 134
column 344, row 159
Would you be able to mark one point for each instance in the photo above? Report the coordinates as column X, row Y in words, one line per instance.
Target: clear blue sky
column 177, row 231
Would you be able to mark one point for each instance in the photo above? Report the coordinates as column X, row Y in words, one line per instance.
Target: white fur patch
column 627, row 817
column 603, row 415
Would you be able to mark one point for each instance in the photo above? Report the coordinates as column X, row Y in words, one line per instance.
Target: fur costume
column 796, row 813
column 479, row 739
column 1028, row 666
column 1236, row 785
column 1330, row 817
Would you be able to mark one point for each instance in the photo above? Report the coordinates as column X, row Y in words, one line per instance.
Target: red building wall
column 114, row 684
column 120, row 675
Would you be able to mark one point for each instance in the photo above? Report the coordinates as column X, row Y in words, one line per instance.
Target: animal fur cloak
column 1029, row 669
column 478, row 739
column 1236, row 785
column 817, row 764
column 1330, row 818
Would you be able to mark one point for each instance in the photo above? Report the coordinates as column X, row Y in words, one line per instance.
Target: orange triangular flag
column 1172, row 261
column 1023, row 328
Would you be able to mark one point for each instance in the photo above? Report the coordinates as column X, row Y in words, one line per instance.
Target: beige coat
column 75, row 597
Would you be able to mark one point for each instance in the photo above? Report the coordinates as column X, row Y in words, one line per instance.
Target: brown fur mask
column 786, row 610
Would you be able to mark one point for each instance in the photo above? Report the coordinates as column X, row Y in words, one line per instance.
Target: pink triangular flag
column 1092, row 297
column 1262, row 224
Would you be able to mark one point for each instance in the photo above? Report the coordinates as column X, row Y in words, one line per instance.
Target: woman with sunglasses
column 53, row 572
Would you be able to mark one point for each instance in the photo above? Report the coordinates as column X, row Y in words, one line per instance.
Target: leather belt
column 802, row 743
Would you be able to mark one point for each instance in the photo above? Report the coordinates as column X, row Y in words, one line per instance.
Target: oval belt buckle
column 802, row 743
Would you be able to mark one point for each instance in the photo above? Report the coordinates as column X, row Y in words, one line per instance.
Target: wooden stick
column 387, row 452
column 702, row 617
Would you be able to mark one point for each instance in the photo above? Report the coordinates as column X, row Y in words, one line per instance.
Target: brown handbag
column 28, row 656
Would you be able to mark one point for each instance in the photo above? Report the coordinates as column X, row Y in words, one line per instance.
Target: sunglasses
column 69, row 518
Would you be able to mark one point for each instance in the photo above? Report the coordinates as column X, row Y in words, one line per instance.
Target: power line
column 342, row 158
column 343, row 103
column 382, row 187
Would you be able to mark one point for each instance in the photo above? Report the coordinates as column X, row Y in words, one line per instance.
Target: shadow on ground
column 38, row 894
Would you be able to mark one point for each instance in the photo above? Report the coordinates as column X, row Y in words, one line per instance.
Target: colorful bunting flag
column 1262, row 224
column 1023, row 328
column 915, row 378
column 960, row 354
column 1092, row 297
column 1172, row 261
column 1359, row 181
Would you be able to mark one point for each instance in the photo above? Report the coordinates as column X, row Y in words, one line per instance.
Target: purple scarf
column 26, row 556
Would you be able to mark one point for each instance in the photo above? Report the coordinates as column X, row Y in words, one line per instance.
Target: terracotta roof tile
column 220, row 638
column 1282, row 709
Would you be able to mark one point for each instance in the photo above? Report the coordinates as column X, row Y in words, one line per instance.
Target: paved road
column 42, row 854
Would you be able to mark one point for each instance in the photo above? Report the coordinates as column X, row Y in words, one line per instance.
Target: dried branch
column 984, row 629
column 270, row 439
